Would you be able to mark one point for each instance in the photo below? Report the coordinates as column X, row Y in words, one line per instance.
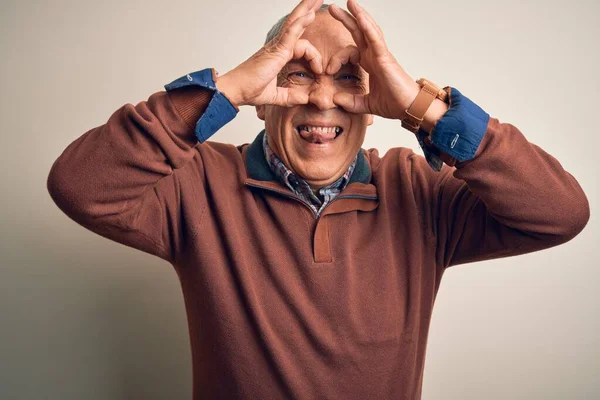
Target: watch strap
column 416, row 113
column 417, row 110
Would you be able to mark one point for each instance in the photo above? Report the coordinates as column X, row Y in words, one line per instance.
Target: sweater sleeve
column 120, row 179
column 511, row 198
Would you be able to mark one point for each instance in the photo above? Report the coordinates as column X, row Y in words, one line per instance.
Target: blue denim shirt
column 458, row 132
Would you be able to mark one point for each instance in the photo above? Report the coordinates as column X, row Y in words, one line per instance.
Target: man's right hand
column 254, row 82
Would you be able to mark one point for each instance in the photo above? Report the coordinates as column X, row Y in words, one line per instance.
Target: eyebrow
column 351, row 67
column 297, row 62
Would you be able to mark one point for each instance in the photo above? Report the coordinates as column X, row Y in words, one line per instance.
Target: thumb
column 286, row 97
column 354, row 103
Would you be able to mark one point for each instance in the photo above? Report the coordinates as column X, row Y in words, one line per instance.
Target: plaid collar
column 300, row 187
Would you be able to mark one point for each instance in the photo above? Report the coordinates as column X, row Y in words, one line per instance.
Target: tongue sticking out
column 317, row 136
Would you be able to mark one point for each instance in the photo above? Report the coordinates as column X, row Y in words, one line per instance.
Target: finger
column 294, row 26
column 288, row 37
column 305, row 49
column 348, row 54
column 372, row 32
column 350, row 23
column 354, row 103
column 303, row 8
column 317, row 5
column 286, row 97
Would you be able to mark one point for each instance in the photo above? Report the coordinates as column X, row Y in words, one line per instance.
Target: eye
column 298, row 75
column 301, row 78
column 348, row 77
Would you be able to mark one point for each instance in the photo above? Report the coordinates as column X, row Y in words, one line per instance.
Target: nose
column 321, row 95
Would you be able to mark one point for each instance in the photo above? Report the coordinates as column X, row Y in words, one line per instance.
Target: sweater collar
column 258, row 168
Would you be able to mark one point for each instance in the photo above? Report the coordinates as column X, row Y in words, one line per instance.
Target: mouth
column 319, row 134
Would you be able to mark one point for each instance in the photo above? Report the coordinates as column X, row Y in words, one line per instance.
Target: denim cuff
column 458, row 132
column 219, row 111
column 431, row 153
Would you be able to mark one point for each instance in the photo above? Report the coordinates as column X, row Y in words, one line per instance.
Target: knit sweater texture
column 281, row 304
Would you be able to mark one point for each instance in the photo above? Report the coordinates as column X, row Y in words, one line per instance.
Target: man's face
column 319, row 140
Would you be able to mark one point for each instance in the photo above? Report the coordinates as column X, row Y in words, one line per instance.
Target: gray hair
column 277, row 27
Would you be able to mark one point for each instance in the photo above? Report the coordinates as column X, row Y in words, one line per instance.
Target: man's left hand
column 391, row 89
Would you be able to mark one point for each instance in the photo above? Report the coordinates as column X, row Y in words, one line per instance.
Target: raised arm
column 119, row 179
column 511, row 198
column 122, row 179
column 506, row 196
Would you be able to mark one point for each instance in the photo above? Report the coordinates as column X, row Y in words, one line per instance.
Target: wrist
column 411, row 90
column 226, row 85
column 435, row 111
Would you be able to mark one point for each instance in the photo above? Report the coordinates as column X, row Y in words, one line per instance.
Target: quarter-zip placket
column 358, row 197
column 284, row 194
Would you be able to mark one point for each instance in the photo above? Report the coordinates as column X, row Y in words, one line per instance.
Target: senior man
column 310, row 266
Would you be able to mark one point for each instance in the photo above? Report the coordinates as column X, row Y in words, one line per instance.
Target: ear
column 370, row 119
column 260, row 112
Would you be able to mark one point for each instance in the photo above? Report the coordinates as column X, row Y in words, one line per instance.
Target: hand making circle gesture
column 254, row 82
column 391, row 90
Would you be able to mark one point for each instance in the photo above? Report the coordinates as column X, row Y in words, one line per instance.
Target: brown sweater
column 283, row 305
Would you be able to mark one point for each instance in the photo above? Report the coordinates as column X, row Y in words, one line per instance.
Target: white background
column 85, row 318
